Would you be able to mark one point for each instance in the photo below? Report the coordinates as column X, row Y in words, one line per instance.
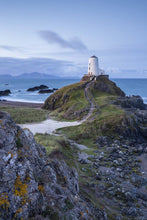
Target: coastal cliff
column 98, row 170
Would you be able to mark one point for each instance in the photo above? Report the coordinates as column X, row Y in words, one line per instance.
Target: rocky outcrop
column 5, row 92
column 121, row 176
column 86, row 77
column 131, row 102
column 2, row 100
column 62, row 97
column 31, row 184
column 55, row 89
column 103, row 84
column 133, row 125
column 36, row 88
column 121, row 163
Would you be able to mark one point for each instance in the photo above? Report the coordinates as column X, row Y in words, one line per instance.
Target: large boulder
column 86, row 77
column 31, row 184
column 131, row 102
column 5, row 92
column 36, row 88
column 103, row 84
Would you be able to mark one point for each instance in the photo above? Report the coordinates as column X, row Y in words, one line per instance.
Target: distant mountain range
column 5, row 76
column 34, row 75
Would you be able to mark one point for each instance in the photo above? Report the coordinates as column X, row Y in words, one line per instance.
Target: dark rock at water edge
column 5, row 92
column 42, row 91
column 37, row 88
column 3, row 100
column 55, row 89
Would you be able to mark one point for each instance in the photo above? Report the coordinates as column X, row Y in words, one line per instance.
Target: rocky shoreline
column 42, row 89
column 106, row 179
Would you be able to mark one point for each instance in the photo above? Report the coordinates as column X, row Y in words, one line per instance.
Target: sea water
column 19, row 88
column 133, row 87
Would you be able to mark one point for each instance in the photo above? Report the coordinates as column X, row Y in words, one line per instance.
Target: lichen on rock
column 32, row 184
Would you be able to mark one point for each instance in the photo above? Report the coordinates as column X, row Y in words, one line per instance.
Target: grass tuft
column 25, row 115
column 57, row 147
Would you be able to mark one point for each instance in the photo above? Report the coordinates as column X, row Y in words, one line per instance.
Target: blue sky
column 69, row 31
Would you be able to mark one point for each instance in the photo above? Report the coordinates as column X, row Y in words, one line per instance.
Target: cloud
column 54, row 38
column 10, row 48
column 62, row 68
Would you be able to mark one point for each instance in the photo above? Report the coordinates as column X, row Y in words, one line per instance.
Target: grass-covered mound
column 68, row 102
column 71, row 103
column 57, row 147
column 74, row 101
column 50, row 142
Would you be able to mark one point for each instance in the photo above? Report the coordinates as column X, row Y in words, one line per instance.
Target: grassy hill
column 70, row 102
column 113, row 135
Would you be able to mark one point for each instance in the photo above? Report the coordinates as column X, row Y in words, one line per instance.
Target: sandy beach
column 47, row 126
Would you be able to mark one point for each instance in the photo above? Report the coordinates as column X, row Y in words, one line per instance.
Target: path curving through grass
column 49, row 126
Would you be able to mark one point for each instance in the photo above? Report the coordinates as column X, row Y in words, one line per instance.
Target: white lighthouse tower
column 93, row 66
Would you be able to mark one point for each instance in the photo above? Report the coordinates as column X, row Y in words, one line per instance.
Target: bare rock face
column 131, row 102
column 21, row 161
column 86, row 77
column 103, row 84
column 30, row 183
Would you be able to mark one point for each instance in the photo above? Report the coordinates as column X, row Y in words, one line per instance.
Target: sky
column 41, row 35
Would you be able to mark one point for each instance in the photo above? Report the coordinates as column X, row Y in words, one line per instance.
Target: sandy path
column 49, row 126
